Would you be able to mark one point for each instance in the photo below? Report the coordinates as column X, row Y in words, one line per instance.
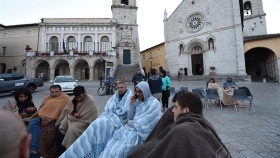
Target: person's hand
column 31, row 109
column 22, row 115
column 77, row 116
column 167, row 87
column 133, row 99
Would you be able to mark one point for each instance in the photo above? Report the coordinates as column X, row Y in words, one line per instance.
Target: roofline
column 152, row 47
column 260, row 37
column 21, row 25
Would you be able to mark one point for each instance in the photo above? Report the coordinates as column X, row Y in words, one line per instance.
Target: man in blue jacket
column 138, row 77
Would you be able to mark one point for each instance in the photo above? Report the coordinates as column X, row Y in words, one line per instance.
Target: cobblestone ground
column 246, row 134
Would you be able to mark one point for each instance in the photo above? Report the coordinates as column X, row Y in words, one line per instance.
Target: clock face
column 195, row 23
column 125, row 16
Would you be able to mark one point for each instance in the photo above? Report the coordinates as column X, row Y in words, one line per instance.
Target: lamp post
column 100, row 73
column 151, row 59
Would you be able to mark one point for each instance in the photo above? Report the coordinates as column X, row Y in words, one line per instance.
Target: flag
column 63, row 46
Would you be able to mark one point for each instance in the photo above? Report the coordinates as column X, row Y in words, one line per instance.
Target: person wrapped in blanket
column 22, row 105
column 113, row 133
column 182, row 131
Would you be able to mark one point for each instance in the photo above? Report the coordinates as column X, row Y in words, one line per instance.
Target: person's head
column 55, row 91
column 162, row 73
column 185, row 102
column 79, row 93
column 138, row 71
column 14, row 138
column 23, row 95
column 121, row 86
column 229, row 79
column 212, row 80
column 153, row 71
column 142, row 90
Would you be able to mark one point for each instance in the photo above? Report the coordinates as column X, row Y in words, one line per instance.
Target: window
column 18, row 77
column 88, row 44
column 151, row 55
column 158, row 51
column 71, row 43
column 54, row 44
column 3, row 50
column 6, row 77
column 143, row 56
column 247, row 8
column 125, row 2
column 105, row 45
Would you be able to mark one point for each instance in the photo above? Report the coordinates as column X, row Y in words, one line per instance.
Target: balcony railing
column 70, row 53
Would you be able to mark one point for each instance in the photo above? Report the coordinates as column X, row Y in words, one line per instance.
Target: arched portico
column 262, row 62
column 99, row 69
column 41, row 66
column 81, row 69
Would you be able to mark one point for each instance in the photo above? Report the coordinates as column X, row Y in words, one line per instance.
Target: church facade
column 85, row 48
column 201, row 34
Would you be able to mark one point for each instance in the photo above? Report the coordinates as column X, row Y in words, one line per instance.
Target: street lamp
column 100, row 73
column 151, row 59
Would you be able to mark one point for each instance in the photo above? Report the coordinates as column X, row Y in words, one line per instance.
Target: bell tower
column 127, row 40
column 254, row 18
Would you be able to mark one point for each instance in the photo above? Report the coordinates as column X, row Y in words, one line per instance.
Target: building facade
column 85, row 47
column 153, row 57
column 200, row 34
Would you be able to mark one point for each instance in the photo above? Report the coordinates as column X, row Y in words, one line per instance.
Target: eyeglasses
column 138, row 91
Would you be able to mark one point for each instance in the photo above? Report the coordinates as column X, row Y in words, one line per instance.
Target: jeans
column 34, row 128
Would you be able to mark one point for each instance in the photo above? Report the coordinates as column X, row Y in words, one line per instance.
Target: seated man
column 42, row 123
column 229, row 85
column 121, row 139
column 74, row 119
column 14, row 138
column 185, row 133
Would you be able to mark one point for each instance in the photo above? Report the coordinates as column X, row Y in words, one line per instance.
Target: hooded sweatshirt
column 155, row 84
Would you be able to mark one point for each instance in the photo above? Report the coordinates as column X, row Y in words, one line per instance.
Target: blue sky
column 150, row 14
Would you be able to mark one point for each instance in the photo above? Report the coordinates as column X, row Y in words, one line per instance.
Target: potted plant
column 181, row 71
column 212, row 72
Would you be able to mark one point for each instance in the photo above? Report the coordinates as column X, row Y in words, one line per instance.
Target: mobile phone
column 135, row 96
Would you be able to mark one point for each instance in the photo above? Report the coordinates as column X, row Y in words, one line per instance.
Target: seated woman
column 22, row 104
column 181, row 131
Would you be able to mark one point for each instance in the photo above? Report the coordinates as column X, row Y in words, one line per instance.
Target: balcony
column 31, row 54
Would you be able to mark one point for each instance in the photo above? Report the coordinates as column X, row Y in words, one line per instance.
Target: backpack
column 246, row 90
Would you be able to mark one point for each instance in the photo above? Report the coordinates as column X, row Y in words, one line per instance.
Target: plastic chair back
column 239, row 94
column 172, row 91
column 212, row 93
column 198, row 92
column 184, row 89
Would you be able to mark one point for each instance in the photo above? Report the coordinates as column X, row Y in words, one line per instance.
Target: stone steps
column 125, row 73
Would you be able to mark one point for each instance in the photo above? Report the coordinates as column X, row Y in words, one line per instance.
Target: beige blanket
column 226, row 95
column 11, row 105
column 72, row 127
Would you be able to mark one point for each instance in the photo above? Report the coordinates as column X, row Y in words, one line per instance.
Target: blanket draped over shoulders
column 190, row 136
column 72, row 127
column 49, row 112
column 93, row 140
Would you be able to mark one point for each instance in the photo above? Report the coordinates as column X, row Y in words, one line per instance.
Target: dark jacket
column 155, row 84
column 138, row 77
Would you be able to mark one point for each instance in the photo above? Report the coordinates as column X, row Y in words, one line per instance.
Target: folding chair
column 239, row 94
column 172, row 91
column 213, row 94
column 184, row 89
column 201, row 96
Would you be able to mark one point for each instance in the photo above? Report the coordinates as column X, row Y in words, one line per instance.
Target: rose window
column 195, row 23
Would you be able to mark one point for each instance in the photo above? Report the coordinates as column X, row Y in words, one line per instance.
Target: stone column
column 190, row 65
column 72, row 71
column 52, row 71
column 34, row 73
column 206, row 63
column 91, row 73
column 278, row 69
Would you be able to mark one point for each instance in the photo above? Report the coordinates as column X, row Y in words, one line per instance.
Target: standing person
column 74, row 119
column 186, row 71
column 42, row 123
column 14, row 138
column 22, row 104
column 181, row 131
column 166, row 83
column 155, row 84
column 138, row 77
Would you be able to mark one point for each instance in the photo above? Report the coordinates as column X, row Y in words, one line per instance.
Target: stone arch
column 61, row 67
column 81, row 69
column 261, row 62
column 99, row 68
column 42, row 66
column 84, row 36
column 194, row 43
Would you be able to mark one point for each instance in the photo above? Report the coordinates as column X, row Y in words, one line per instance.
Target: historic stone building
column 86, row 48
column 200, row 34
